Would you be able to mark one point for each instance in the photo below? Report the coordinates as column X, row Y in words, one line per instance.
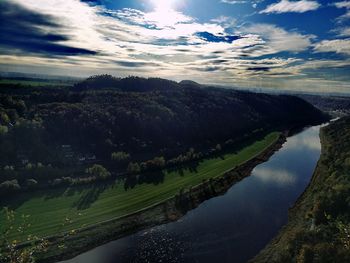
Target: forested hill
column 135, row 118
column 135, row 84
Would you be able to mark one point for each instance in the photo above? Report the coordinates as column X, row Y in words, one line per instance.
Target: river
column 233, row 227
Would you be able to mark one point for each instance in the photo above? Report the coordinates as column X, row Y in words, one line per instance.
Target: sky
column 278, row 44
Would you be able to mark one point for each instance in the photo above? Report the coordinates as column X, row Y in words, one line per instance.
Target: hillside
column 319, row 223
column 131, row 125
column 337, row 106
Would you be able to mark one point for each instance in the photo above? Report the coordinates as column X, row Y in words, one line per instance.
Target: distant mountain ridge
column 131, row 83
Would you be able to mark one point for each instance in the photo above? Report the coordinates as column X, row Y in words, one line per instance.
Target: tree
column 4, row 118
column 98, row 171
column 3, row 129
column 29, row 166
column 120, row 157
column 133, row 168
column 9, row 187
column 159, row 162
column 9, row 168
column 32, row 183
column 218, row 148
column 305, row 255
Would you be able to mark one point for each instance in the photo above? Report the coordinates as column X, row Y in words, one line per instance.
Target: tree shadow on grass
column 155, row 178
column 158, row 177
column 19, row 199
column 90, row 196
column 180, row 169
column 55, row 193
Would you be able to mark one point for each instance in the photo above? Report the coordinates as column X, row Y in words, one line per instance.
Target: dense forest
column 104, row 126
column 319, row 224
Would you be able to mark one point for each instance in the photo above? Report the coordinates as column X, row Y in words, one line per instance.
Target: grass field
column 59, row 210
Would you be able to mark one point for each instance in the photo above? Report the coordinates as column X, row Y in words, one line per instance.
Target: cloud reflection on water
column 277, row 176
column 306, row 140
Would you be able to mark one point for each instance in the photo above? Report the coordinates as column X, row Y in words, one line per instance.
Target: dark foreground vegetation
column 319, row 223
column 105, row 126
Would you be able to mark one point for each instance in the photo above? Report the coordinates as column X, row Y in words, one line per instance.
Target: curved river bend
column 229, row 228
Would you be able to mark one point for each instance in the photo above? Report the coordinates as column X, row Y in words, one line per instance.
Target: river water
column 230, row 228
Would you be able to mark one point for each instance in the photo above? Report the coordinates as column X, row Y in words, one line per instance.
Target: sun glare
column 164, row 5
column 164, row 13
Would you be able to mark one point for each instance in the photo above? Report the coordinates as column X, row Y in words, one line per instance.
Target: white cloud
column 346, row 5
column 278, row 39
column 340, row 46
column 225, row 21
column 343, row 4
column 344, row 17
column 254, row 3
column 342, row 31
column 345, row 32
column 285, row 6
column 233, row 2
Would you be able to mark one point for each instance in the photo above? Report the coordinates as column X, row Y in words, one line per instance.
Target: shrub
column 133, row 168
column 32, row 183
column 99, row 171
column 3, row 129
column 9, row 187
column 120, row 157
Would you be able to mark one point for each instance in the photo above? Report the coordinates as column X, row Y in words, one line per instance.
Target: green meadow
column 57, row 210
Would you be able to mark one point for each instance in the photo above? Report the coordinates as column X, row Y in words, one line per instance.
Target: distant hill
column 335, row 105
column 189, row 83
column 136, row 84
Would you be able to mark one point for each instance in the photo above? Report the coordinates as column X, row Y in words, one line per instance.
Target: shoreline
column 166, row 211
column 296, row 214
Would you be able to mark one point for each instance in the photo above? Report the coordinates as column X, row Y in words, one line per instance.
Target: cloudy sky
column 280, row 44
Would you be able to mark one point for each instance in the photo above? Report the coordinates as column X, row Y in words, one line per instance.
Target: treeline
column 95, row 173
column 92, row 174
column 13, row 186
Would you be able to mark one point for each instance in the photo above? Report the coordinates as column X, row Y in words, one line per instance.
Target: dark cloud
column 135, row 64
column 97, row 2
column 259, row 69
column 213, row 38
column 20, row 30
column 207, row 68
column 219, row 61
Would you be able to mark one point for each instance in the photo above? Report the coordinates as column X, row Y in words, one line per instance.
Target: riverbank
column 169, row 210
column 318, row 224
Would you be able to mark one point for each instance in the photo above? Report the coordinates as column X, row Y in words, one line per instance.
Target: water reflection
column 228, row 228
column 278, row 176
column 306, row 140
